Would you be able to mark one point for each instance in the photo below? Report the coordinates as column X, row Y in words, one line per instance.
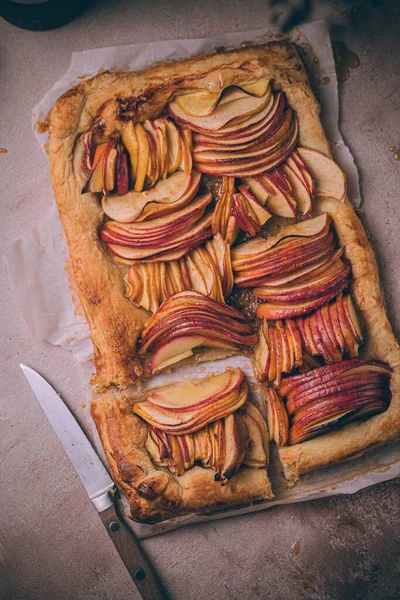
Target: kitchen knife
column 98, row 485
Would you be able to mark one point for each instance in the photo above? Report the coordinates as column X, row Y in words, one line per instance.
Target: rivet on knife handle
column 139, row 567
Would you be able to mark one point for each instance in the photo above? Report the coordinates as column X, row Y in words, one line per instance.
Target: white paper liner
column 39, row 262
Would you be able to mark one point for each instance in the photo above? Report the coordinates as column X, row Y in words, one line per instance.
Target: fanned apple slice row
column 309, row 394
column 290, row 257
column 257, row 247
column 167, row 250
column 176, row 191
column 207, row 270
column 267, row 120
column 190, row 319
column 318, row 283
column 336, row 335
column 300, row 287
column 297, row 274
column 268, row 143
column 239, row 130
column 299, row 435
column 221, row 115
column 284, row 310
column 191, row 298
column 152, row 233
column 221, row 445
column 274, row 151
column 333, row 395
column 202, row 103
column 323, row 374
column 183, row 422
column 278, row 422
column 328, row 177
column 196, row 393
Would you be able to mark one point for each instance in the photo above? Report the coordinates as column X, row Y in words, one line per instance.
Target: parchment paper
column 40, row 269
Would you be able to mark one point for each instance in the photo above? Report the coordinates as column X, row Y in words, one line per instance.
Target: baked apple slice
column 143, row 156
column 328, row 177
column 94, row 181
column 278, row 422
column 262, row 354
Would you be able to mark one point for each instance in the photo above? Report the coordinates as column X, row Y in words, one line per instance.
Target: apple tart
column 205, row 217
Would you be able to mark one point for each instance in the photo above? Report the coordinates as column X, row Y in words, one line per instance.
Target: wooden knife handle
column 135, row 560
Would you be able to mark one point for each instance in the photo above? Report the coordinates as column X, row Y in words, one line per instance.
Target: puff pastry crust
column 153, row 493
column 115, row 323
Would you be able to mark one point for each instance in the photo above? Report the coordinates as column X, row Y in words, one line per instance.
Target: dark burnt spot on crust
column 128, row 107
column 94, row 299
column 147, row 491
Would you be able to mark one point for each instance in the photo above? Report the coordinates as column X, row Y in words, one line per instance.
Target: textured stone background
column 53, row 545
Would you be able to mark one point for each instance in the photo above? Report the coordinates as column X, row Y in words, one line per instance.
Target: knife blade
column 97, row 483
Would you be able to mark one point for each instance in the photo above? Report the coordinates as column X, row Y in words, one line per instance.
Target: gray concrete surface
column 53, row 545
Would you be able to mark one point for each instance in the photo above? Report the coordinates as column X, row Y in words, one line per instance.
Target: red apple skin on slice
column 334, row 354
column 328, row 325
column 349, row 338
column 318, row 339
column 333, row 313
column 323, row 374
column 352, row 318
column 275, row 310
column 122, row 172
column 295, row 332
column 332, row 277
column 272, row 373
column 286, row 352
column 94, row 181
column 324, row 408
column 279, row 355
column 278, row 423
column 334, row 389
column 262, row 353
